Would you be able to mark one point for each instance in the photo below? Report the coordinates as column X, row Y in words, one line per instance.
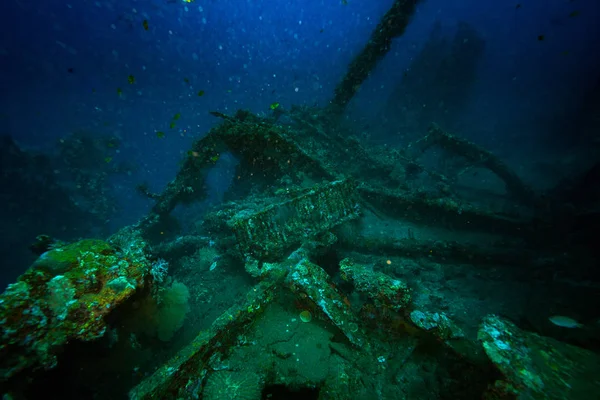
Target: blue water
column 251, row 54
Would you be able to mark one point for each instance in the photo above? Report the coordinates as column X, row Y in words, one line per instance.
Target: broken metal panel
column 384, row 290
column 311, row 280
column 268, row 233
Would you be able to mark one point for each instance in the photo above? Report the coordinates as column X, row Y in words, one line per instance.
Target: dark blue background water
column 249, row 54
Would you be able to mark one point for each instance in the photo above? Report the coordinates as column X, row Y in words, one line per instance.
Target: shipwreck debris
column 295, row 184
column 478, row 156
column 266, row 233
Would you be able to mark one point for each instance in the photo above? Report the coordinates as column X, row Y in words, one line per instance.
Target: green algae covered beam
column 393, row 24
column 181, row 377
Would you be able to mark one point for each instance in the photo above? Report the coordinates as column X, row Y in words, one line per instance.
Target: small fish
column 172, row 125
column 107, row 159
column 541, row 37
column 517, row 6
column 145, row 25
column 215, row 158
column 131, row 79
column 564, row 322
column 177, row 116
column 200, row 93
column 186, row 80
column 120, row 91
column 70, row 70
column 160, row 134
column 574, row 14
column 274, row 106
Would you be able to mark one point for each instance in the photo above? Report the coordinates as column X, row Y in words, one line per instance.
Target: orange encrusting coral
column 65, row 295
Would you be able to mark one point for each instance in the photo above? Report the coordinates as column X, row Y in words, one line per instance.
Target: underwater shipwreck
column 346, row 248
